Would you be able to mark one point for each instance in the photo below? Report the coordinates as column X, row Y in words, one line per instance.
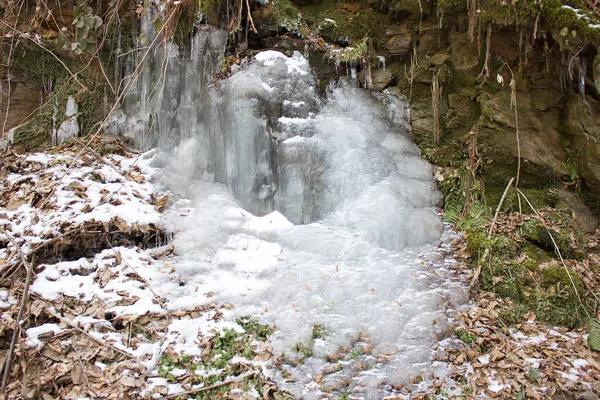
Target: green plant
column 465, row 336
column 318, row 331
column 86, row 30
column 594, row 334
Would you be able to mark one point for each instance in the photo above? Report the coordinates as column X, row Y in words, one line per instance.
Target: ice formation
column 304, row 212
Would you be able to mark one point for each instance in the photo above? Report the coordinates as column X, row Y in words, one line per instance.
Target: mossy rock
column 536, row 233
column 558, row 275
column 534, row 256
column 499, row 245
column 508, row 280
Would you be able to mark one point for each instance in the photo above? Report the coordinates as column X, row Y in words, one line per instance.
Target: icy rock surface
column 307, row 213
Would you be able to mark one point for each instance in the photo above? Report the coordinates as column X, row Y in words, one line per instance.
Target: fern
column 356, row 52
column 453, row 204
column 594, row 336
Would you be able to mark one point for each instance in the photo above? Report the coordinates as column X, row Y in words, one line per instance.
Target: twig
column 83, row 371
column 500, row 206
column 489, row 235
column 13, row 343
column 239, row 378
column 99, row 341
column 250, row 17
column 557, row 251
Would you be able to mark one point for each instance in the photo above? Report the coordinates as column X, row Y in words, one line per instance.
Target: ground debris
column 96, row 324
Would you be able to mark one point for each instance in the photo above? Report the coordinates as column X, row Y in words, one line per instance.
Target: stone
column 22, row 106
column 381, row 78
column 539, row 131
column 464, row 52
column 438, row 59
column 584, row 131
column 399, row 44
column 400, row 40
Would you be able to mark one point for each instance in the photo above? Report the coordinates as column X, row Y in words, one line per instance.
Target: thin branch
column 500, row 206
column 250, row 17
column 237, row 379
column 13, row 343
column 97, row 340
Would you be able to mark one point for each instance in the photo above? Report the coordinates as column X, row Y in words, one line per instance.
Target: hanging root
column 485, row 71
column 436, row 94
column 473, row 6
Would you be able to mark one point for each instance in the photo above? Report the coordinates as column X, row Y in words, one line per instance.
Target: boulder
column 381, row 78
column 399, row 40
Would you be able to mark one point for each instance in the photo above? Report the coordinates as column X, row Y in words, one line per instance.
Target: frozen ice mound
column 307, row 212
column 346, row 161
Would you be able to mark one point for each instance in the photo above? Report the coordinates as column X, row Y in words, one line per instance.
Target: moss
column 318, row 331
column 465, row 336
column 259, row 331
column 305, row 349
column 352, row 21
column 559, row 276
column 537, row 234
column 287, row 15
column 37, row 67
column 534, row 256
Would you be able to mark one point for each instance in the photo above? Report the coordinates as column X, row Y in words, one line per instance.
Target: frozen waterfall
column 302, row 211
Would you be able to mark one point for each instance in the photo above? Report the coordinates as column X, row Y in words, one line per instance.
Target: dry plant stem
column 83, row 370
column 472, row 7
column 556, row 249
column 240, row 378
column 24, row 298
column 489, row 235
column 435, row 103
column 500, row 206
column 485, row 71
column 99, row 341
column 414, row 65
column 250, row 17
column 12, row 39
column 420, row 16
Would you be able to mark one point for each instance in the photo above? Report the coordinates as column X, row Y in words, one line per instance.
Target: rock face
column 419, row 40
column 582, row 125
column 22, row 104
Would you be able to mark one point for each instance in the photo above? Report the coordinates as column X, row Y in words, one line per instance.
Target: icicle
column 353, row 73
column 381, row 61
column 54, row 120
column 582, row 72
column 118, row 51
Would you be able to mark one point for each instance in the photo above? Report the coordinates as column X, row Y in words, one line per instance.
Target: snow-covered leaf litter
column 104, row 292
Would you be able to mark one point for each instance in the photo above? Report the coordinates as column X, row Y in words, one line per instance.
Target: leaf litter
column 96, row 328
